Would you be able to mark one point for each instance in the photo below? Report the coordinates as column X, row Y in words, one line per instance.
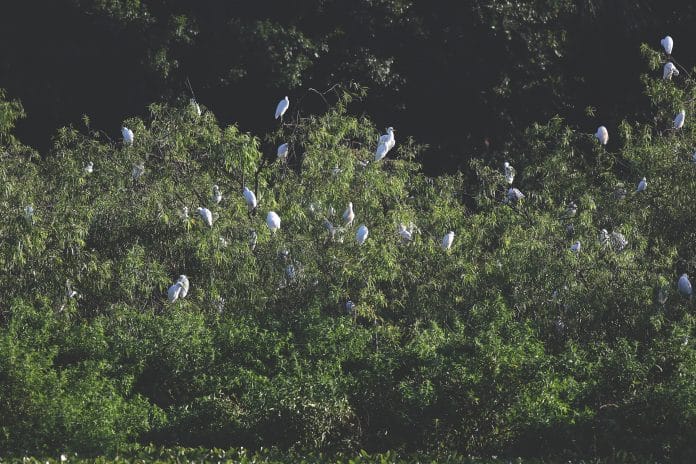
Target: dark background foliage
column 464, row 77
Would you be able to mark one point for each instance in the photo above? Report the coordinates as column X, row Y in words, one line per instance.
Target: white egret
column 684, row 285
column 138, row 170
column 514, row 195
column 602, row 135
column 250, row 198
column 196, row 106
column 447, row 240
column 405, row 233
column 29, row 213
column 667, row 43
column 349, row 214
column 217, row 195
column 273, row 221
column 361, row 235
column 89, row 168
column 184, row 281
column 283, row 152
column 575, row 247
column 282, row 107
column 253, row 237
column 206, row 215
column 127, row 136
column 386, row 143
column 174, row 292
column 642, row 185
column 679, row 119
column 509, row 173
column 669, row 70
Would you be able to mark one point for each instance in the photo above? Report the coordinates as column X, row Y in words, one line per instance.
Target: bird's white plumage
column 447, row 240
column 250, row 198
column 669, row 70
column 405, row 233
column 684, row 285
column 668, row 44
column 174, row 292
column 602, row 135
column 185, row 285
column 679, row 119
column 509, row 173
column 283, row 151
column 127, row 136
column 575, row 247
column 206, row 215
column 514, row 195
column 217, row 195
column 349, row 214
column 642, row 185
column 89, row 167
column 273, row 221
column 282, row 107
column 361, row 234
column 386, row 143
column 196, row 106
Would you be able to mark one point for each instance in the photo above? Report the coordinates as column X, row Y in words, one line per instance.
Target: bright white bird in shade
column 514, row 195
column 89, row 168
column 669, row 70
column 361, row 234
column 174, row 292
column 282, row 107
column 253, row 237
column 509, row 173
column 127, row 136
column 206, row 215
column 29, row 213
column 217, row 195
column 273, row 221
column 349, row 214
column 642, row 185
column 250, row 198
column 386, row 143
column 447, row 240
column 185, row 285
column 602, row 135
column 684, row 285
column 405, row 233
column 283, row 152
column 668, row 44
column 138, row 170
column 196, row 106
column 575, row 247
column 679, row 119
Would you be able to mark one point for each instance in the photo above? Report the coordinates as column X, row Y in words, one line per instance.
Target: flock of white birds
column 384, row 145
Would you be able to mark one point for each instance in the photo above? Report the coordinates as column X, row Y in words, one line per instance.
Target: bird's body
column 250, row 198
column 405, row 233
column 217, row 195
column 206, row 215
column 273, row 221
column 361, row 234
column 283, row 151
column 514, row 195
column 138, row 170
column 447, row 240
column 642, row 185
column 668, row 44
column 679, row 120
column 127, row 136
column 196, row 106
column 349, row 214
column 575, row 247
column 684, row 285
column 282, row 107
column 386, row 143
column 602, row 135
column 174, row 292
column 89, row 167
column 29, row 213
column 669, row 70
column 185, row 285
column 509, row 172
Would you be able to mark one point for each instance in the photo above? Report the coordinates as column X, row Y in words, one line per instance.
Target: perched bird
column 196, row 106
column 669, row 70
column 684, row 285
column 29, row 213
column 282, row 107
column 361, row 235
column 89, row 168
column 273, row 221
column 349, row 214
column 183, row 280
column 206, row 215
column 253, row 237
column 667, row 43
column 602, row 135
column 509, row 173
column 386, row 143
column 127, row 136
column 514, row 195
column 283, row 152
column 679, row 119
column 447, row 240
column 575, row 247
column 138, row 170
column 174, row 292
column 405, row 233
column 642, row 185
column 250, row 198
column 217, row 195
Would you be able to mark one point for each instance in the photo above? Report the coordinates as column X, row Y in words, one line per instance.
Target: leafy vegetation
column 506, row 344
